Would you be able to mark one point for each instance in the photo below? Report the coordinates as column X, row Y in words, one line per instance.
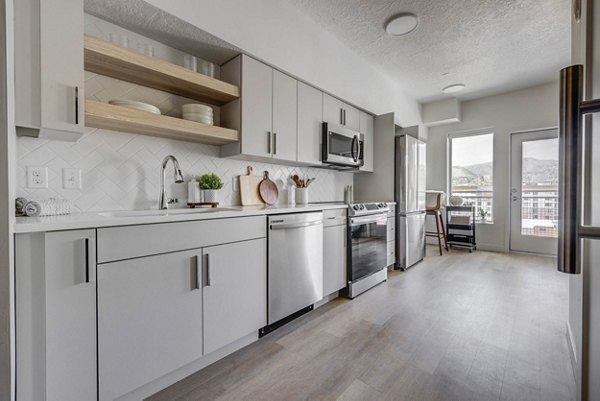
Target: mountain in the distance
column 535, row 171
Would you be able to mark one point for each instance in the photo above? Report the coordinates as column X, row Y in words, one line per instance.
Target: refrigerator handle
column 571, row 144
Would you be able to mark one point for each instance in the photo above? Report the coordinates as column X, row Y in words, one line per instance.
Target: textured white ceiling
column 491, row 46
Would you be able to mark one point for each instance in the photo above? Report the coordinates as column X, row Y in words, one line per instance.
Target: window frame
column 464, row 134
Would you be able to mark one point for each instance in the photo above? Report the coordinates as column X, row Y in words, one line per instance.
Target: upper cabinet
column 337, row 112
column 366, row 128
column 266, row 113
column 310, row 122
column 49, row 74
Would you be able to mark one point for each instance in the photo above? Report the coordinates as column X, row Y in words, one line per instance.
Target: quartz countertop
column 128, row 218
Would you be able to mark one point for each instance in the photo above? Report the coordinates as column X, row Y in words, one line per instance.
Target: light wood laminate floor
column 481, row 326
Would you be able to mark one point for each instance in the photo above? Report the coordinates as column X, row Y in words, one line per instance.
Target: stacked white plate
column 133, row 104
column 198, row 113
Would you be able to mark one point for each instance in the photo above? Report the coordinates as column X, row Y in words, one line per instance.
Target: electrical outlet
column 235, row 184
column 71, row 178
column 37, row 177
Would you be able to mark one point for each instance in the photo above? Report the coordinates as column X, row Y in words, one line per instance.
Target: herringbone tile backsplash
column 121, row 170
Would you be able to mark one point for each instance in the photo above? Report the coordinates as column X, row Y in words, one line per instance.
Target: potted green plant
column 210, row 184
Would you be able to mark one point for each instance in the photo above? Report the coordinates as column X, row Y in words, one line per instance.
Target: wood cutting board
column 268, row 190
column 249, row 194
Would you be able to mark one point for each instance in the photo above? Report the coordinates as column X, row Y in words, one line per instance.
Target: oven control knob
column 355, row 207
column 362, row 207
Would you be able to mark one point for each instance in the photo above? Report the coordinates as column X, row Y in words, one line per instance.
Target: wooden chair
column 435, row 202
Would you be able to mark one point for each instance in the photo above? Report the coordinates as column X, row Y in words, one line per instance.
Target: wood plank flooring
column 481, row 326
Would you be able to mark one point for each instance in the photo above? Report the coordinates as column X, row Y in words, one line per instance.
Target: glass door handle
column 572, row 109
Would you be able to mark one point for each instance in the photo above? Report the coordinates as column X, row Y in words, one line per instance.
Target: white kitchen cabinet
column 235, row 288
column 49, row 72
column 257, row 108
column 285, row 109
column 337, row 112
column 56, row 316
column 149, row 319
column 391, row 239
column 334, row 250
column 366, row 129
column 266, row 114
column 310, row 123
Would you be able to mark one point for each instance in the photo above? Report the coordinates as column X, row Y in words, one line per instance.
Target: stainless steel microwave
column 342, row 147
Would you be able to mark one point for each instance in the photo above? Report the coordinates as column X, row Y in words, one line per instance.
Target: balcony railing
column 483, row 203
column 539, row 213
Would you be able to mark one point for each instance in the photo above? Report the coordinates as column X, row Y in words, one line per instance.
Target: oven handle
column 355, row 221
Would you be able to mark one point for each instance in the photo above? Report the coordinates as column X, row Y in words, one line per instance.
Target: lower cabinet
column 149, row 319
column 235, row 289
column 55, row 300
column 334, row 251
column 158, row 313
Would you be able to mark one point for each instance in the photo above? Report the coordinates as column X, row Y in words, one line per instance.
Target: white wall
column 7, row 151
column 522, row 110
column 281, row 35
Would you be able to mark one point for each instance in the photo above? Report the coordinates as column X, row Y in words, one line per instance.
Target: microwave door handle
column 571, row 145
column 352, row 148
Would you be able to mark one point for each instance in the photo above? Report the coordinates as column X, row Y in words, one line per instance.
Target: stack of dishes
column 199, row 113
column 133, row 104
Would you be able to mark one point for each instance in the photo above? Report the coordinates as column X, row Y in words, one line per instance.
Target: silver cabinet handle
column 208, row 265
column 87, row 260
column 571, row 144
column 269, row 142
column 291, row 226
column 197, row 273
column 344, row 116
column 77, row 105
column 341, row 116
column 274, row 143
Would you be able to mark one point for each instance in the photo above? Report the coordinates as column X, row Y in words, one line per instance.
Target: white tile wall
column 121, row 170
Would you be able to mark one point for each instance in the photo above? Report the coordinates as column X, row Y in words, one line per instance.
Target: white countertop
column 112, row 219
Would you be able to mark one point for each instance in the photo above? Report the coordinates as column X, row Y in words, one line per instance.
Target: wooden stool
column 439, row 221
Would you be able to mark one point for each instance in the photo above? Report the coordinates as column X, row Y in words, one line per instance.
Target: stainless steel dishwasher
column 295, row 263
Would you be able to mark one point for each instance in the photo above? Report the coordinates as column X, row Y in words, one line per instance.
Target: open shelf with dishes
column 118, row 118
column 114, row 61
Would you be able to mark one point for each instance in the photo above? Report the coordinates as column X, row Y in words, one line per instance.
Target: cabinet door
column 70, row 285
column 351, row 118
column 310, row 121
column 333, row 110
column 149, row 319
column 235, row 292
column 285, row 110
column 257, row 108
column 366, row 128
column 334, row 259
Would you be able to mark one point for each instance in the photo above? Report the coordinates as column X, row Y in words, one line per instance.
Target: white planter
column 302, row 196
column 210, row 195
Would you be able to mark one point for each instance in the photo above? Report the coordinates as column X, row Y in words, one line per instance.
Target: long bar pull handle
column 196, row 279
column 274, row 143
column 208, row 266
column 341, row 116
column 87, row 260
column 269, row 142
column 77, row 105
column 571, row 93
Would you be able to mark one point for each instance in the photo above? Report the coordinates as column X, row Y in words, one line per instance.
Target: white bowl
column 203, row 120
column 133, row 104
column 186, row 113
column 196, row 108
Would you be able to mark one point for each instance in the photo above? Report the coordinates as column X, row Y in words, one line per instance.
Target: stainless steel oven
column 367, row 253
column 342, row 147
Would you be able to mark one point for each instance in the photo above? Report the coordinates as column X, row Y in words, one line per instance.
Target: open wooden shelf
column 108, row 59
column 117, row 118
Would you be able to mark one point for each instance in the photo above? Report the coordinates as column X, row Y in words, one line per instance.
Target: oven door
column 368, row 238
column 341, row 146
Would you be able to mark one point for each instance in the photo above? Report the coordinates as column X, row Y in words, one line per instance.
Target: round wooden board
column 268, row 190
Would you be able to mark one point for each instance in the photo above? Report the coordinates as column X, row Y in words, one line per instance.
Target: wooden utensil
column 249, row 195
column 268, row 190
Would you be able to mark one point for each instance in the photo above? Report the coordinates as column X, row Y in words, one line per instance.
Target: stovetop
column 364, row 209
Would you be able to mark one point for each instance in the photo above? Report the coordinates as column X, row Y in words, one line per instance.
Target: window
column 472, row 173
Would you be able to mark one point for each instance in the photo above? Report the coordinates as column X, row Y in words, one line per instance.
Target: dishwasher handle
column 295, row 225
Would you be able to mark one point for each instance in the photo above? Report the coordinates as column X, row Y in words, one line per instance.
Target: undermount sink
column 167, row 212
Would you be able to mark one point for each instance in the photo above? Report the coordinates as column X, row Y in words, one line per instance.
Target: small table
column 460, row 224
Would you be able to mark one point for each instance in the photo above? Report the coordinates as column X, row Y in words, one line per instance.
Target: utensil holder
column 302, row 196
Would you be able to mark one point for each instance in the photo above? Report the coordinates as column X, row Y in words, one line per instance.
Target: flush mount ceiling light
column 453, row 88
column 401, row 24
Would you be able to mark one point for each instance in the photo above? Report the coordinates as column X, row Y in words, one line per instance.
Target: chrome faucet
column 164, row 201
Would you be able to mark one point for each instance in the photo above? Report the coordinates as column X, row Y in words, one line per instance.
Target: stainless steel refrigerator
column 410, row 200
column 579, row 195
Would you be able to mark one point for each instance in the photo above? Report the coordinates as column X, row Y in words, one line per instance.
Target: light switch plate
column 235, row 184
column 37, row 177
column 71, row 178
